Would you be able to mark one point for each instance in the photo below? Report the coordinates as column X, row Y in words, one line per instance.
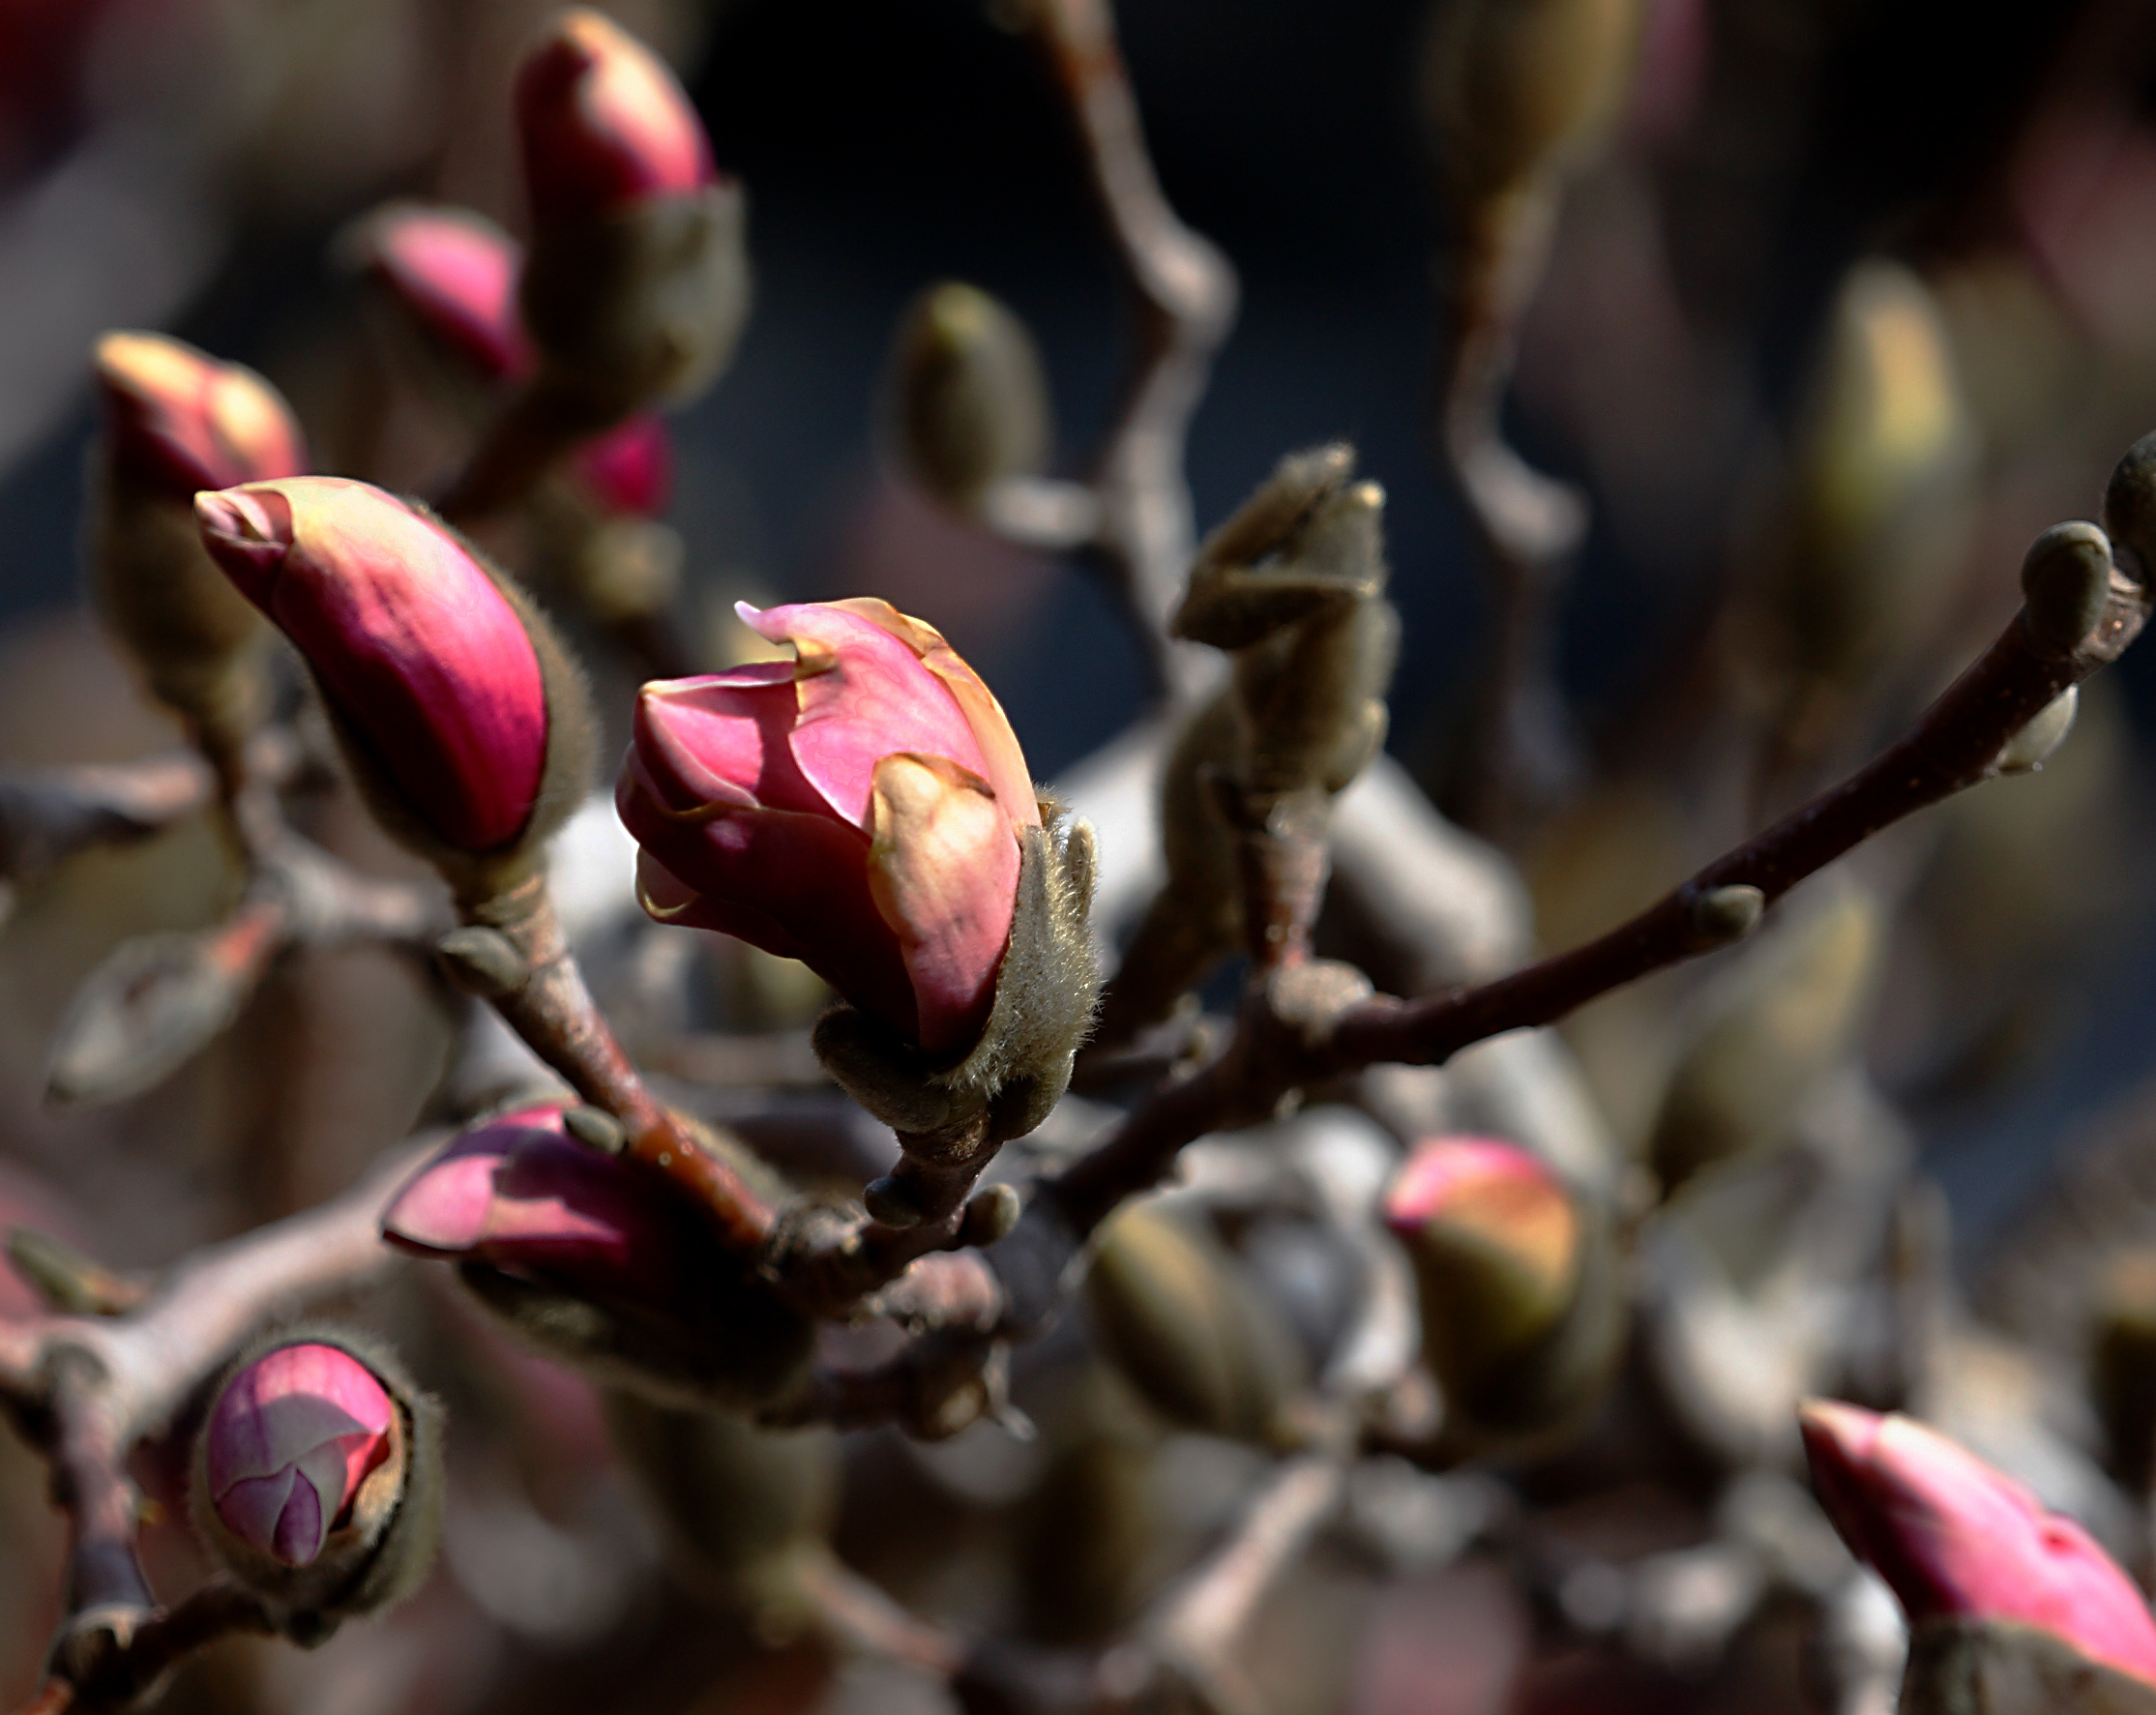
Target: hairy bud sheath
column 1956, row 1541
column 177, row 421
column 968, row 400
column 600, row 1262
column 637, row 283
column 1520, row 1307
column 866, row 809
column 318, row 1477
column 462, row 719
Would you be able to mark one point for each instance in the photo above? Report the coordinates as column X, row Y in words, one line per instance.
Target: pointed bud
column 968, row 400
column 177, row 421
column 1180, row 1318
column 1956, row 1540
column 637, row 283
column 1517, row 1309
column 2066, row 579
column 601, row 1261
column 455, row 274
column 318, row 1477
column 603, row 122
column 460, row 715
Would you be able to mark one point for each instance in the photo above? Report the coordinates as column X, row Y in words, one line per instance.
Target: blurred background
column 186, row 165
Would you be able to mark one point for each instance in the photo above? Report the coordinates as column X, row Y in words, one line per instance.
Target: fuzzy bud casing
column 318, row 1477
column 968, row 400
column 463, row 720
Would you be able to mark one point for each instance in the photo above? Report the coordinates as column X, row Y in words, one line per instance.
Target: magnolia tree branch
column 1139, row 522
column 84, row 1391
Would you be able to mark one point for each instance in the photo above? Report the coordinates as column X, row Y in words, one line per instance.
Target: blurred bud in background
column 965, row 395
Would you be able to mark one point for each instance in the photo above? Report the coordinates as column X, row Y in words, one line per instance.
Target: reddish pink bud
column 628, row 471
column 289, row 1441
column 181, row 420
column 857, row 808
column 456, row 273
column 1955, row 1538
column 520, row 1194
column 604, row 122
column 421, row 653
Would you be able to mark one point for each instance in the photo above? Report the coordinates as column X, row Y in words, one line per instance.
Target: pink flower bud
column 178, row 419
column 604, row 122
column 628, row 471
column 1955, row 1538
column 288, row 1443
column 413, row 644
column 456, row 274
column 857, row 808
column 521, row 1195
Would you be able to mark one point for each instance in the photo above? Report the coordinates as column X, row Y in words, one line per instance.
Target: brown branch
column 86, row 1390
column 1185, row 294
column 1290, row 1036
column 857, row 1615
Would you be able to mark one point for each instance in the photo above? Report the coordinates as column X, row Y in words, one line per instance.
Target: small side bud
column 2065, row 581
column 1183, row 1322
column 1722, row 915
column 2030, row 749
column 890, row 1200
column 991, row 1215
column 2130, row 509
column 596, row 1127
column 318, row 1478
column 968, row 400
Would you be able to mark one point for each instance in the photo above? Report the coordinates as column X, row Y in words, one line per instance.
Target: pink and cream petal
column 944, row 872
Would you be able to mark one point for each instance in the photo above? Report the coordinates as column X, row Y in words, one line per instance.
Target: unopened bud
column 2030, row 749
column 1989, row 1666
column 177, row 421
column 968, row 400
column 1956, row 1540
column 1764, row 1032
column 1511, row 88
column 1517, row 1315
column 1721, row 915
column 318, row 1478
column 601, row 1261
column 2129, row 508
column 744, row 1510
column 453, row 274
column 2066, row 579
column 1181, row 1319
column 460, row 713
column 603, row 122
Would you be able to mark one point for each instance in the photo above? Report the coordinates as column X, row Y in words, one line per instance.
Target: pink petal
column 631, row 470
column 423, row 656
column 863, row 695
column 1441, row 1166
column 604, row 122
column 723, row 740
column 944, row 872
column 1954, row 1537
column 184, row 421
column 458, row 273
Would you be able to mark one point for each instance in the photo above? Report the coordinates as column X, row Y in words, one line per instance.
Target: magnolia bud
column 2066, row 579
column 456, row 706
column 1511, row 87
column 743, row 1509
column 2130, row 507
column 1179, row 1317
column 1884, row 460
column 1765, row 1034
column 1956, row 1540
column 601, row 1261
column 318, row 1478
column 968, row 400
column 1957, row 1666
column 177, row 421
column 899, row 854
column 637, row 285
column 453, row 275
column 1520, row 1307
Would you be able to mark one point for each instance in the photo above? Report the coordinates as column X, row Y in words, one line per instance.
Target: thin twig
column 1185, row 294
